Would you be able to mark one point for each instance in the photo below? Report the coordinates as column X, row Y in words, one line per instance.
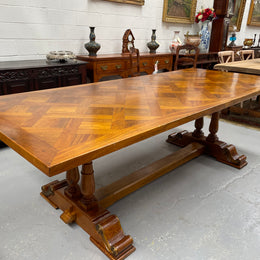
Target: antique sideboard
column 28, row 75
column 104, row 65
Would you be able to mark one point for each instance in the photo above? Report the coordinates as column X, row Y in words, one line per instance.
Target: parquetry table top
column 59, row 129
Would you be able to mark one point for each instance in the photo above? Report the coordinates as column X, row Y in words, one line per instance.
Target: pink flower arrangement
column 205, row 14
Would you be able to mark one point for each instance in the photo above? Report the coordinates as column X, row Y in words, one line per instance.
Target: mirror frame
column 134, row 2
column 240, row 14
column 251, row 17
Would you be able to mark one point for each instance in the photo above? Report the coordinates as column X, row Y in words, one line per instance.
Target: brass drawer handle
column 104, row 67
column 166, row 61
column 145, row 64
column 119, row 66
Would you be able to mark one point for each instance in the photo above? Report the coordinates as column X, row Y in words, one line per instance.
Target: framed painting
column 179, row 11
column 134, row 2
column 254, row 13
column 238, row 12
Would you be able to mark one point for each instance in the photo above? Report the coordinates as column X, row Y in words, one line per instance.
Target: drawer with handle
column 110, row 66
column 164, row 63
column 146, row 63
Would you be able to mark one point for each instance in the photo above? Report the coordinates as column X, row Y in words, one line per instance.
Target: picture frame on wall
column 254, row 14
column 179, row 11
column 236, row 20
column 134, row 2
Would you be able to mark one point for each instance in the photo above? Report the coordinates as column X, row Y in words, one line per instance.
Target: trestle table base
column 83, row 205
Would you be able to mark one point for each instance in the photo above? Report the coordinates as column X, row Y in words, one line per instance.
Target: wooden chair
column 247, row 54
column 226, row 56
column 189, row 58
column 134, row 62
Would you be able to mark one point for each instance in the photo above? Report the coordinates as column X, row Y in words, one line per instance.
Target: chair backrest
column 190, row 57
column 226, row 56
column 247, row 54
column 134, row 62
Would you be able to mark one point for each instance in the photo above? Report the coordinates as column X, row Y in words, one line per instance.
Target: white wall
column 29, row 29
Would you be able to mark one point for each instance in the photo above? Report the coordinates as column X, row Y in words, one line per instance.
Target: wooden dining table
column 251, row 66
column 249, row 111
column 60, row 129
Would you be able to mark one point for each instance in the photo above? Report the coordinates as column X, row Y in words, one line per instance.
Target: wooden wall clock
column 128, row 41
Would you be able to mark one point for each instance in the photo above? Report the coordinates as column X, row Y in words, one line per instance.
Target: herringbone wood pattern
column 59, row 129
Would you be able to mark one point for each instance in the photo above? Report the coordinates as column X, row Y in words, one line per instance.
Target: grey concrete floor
column 202, row 210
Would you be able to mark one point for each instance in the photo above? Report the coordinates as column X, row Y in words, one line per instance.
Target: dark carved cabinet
column 22, row 76
column 14, row 82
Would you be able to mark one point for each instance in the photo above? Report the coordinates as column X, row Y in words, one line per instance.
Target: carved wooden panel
column 14, row 75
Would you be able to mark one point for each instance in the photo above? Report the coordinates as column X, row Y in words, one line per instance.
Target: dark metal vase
column 92, row 46
column 153, row 44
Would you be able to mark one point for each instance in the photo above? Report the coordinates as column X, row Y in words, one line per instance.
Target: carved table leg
column 73, row 190
column 79, row 205
column 198, row 133
column 87, row 186
column 213, row 128
column 223, row 152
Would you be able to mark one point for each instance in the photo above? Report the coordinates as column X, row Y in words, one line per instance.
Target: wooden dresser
column 28, row 75
column 119, row 64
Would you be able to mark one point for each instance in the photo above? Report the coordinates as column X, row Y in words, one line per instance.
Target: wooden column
column 213, row 128
column 87, row 186
column 73, row 190
column 198, row 133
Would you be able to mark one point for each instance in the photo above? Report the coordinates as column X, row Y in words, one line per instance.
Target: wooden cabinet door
column 17, row 86
column 48, row 82
column 71, row 80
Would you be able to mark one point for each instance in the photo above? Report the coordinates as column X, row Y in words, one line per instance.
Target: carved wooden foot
column 222, row 151
column 117, row 245
column 104, row 229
